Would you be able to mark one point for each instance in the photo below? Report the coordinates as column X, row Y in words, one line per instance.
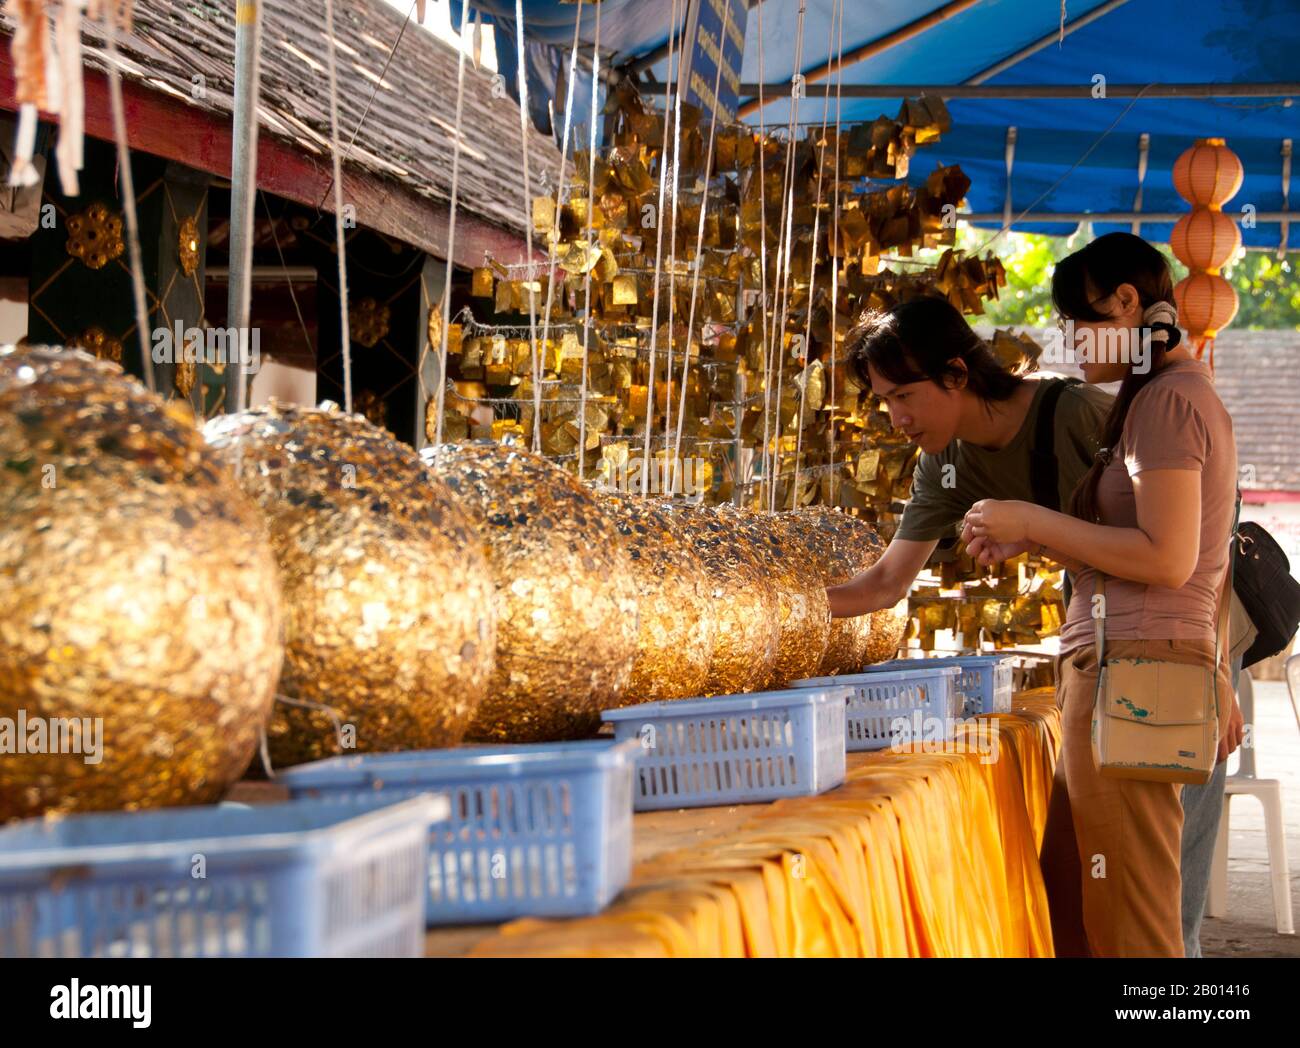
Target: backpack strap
column 1044, row 470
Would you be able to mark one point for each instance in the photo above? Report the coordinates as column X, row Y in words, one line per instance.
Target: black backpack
column 1263, row 583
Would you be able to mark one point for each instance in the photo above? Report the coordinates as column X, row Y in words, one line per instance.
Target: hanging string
column 672, row 267
column 812, row 275
column 445, row 304
column 674, row 451
column 659, row 243
column 778, row 347
column 561, row 181
column 591, row 204
column 834, row 254
column 521, row 81
column 340, row 243
column 762, row 262
column 128, row 196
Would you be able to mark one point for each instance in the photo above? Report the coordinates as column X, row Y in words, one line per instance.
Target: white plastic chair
column 1269, row 794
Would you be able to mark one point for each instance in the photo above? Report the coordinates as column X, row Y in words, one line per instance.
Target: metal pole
column 243, row 189
column 1146, row 217
column 1277, row 89
column 1045, row 41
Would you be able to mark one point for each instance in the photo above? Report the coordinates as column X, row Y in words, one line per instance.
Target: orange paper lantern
column 1206, row 304
column 1209, row 174
column 1205, row 239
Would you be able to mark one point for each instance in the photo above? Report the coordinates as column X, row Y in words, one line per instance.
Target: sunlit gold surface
column 804, row 612
column 677, row 619
column 747, row 606
column 566, row 597
column 389, row 616
column 137, row 589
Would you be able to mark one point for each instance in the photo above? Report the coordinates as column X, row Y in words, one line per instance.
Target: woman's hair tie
column 1162, row 318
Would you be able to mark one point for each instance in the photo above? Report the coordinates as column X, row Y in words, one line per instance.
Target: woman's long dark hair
column 1091, row 275
column 918, row 340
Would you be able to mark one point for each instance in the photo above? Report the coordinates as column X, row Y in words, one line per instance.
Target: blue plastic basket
column 914, row 704
column 735, row 749
column 541, row 831
column 986, row 682
column 281, row 880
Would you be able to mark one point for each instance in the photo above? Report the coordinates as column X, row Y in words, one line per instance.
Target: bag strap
column 1044, row 470
column 1222, row 618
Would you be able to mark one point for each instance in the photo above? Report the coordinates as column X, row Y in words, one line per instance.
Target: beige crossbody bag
column 1157, row 721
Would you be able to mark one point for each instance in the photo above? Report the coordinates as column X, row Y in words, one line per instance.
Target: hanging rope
column 672, row 268
column 128, row 196
column 834, row 255
column 591, row 204
column 812, row 275
column 675, row 450
column 659, row 250
column 340, row 243
column 561, row 181
column 783, row 271
column 445, row 303
column 762, row 263
column 521, row 81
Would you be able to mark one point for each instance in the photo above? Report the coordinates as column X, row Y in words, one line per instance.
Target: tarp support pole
column 1011, row 159
column 1044, row 41
column 1286, row 196
column 243, row 188
column 1144, row 150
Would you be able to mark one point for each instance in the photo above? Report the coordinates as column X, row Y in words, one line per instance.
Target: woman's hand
column 999, row 521
column 1235, row 730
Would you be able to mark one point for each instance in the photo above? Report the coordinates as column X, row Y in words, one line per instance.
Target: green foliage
column 1268, row 290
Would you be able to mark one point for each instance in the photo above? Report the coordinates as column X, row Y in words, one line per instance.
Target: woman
column 1153, row 515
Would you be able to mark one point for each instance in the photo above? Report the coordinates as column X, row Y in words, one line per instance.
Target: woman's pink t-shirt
column 1177, row 421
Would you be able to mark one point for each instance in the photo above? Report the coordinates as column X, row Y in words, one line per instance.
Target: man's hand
column 1236, row 730
column 986, row 552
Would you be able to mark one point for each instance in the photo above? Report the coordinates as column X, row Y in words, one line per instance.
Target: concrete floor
column 1249, row 929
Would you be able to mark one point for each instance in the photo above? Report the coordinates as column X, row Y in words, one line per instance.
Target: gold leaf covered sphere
column 389, row 616
column 805, row 613
column 747, row 607
column 677, row 619
column 140, row 637
column 566, row 598
column 845, row 546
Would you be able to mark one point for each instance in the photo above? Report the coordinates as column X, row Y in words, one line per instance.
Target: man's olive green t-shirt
column 946, row 485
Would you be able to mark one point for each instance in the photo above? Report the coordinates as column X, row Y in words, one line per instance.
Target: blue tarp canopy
column 1071, row 155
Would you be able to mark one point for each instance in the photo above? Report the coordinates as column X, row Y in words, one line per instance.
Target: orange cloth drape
column 917, row 854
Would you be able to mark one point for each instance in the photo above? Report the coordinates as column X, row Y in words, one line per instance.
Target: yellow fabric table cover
column 917, row 854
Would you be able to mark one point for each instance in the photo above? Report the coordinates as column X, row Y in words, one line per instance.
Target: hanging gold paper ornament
column 389, row 613
column 565, row 592
column 749, row 629
column 141, row 609
column 804, row 612
column 677, row 619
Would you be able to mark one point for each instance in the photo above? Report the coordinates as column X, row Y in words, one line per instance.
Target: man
column 986, row 433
